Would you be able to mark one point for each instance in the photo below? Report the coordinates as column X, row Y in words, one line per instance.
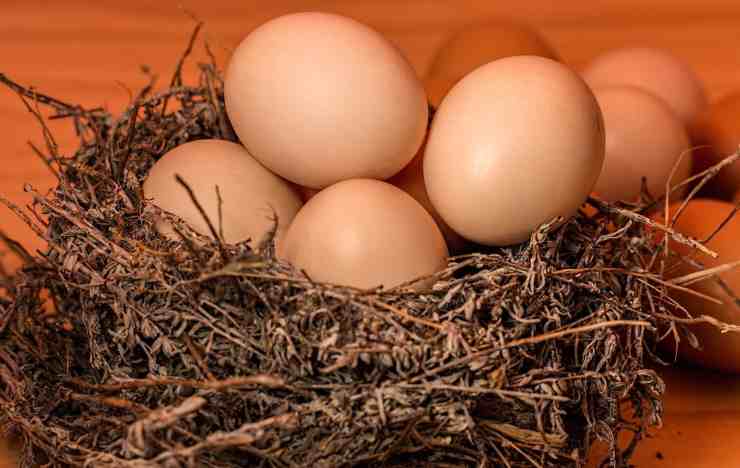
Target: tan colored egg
column 717, row 135
column 251, row 194
column 701, row 217
column 318, row 98
column 514, row 144
column 644, row 138
column 655, row 71
column 477, row 45
column 364, row 233
column 411, row 181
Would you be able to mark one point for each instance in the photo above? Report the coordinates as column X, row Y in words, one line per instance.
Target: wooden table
column 91, row 52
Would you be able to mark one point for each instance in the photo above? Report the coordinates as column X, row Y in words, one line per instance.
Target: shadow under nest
column 119, row 347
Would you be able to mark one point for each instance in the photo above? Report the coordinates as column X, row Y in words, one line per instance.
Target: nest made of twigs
column 157, row 352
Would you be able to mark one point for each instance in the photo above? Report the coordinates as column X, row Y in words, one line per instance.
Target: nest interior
column 120, row 347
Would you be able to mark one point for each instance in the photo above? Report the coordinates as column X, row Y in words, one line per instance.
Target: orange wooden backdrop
column 90, row 51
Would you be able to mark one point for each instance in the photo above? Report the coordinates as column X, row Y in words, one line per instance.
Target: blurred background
column 92, row 53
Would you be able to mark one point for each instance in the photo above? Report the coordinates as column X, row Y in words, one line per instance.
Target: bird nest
column 122, row 347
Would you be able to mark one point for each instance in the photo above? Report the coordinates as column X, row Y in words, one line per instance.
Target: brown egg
column 251, row 194
column 318, row 98
column 644, row 138
column 699, row 220
column 364, row 233
column 479, row 44
column 717, row 134
column 411, row 181
column 514, row 144
column 655, row 71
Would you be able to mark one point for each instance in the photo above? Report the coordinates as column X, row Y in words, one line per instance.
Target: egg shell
column 700, row 218
column 411, row 181
column 514, row 144
column 251, row 194
column 364, row 233
column 478, row 44
column 654, row 70
column 318, row 98
column 644, row 138
column 717, row 136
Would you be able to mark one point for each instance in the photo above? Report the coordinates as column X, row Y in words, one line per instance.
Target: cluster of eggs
column 336, row 146
column 716, row 134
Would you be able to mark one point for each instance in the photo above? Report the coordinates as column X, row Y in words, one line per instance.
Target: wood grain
column 89, row 52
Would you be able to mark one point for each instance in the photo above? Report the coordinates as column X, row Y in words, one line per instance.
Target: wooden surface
column 89, row 52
